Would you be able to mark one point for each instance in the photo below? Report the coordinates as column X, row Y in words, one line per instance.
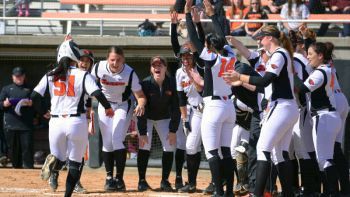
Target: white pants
column 113, row 130
column 239, row 134
column 276, row 132
column 193, row 142
column 343, row 110
column 68, row 137
column 162, row 128
column 302, row 142
column 326, row 126
column 181, row 138
column 218, row 121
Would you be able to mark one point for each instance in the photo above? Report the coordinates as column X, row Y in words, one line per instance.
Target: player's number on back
column 61, row 88
column 226, row 66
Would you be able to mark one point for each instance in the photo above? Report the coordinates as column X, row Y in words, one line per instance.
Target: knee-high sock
column 72, row 177
column 167, row 162
column 263, row 171
column 120, row 159
column 193, row 162
column 342, row 167
column 316, row 172
column 108, row 159
column 228, row 168
column 214, row 165
column 142, row 163
column 179, row 161
column 285, row 174
column 331, row 181
column 295, row 175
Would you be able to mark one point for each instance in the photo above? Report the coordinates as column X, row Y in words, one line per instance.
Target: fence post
column 101, row 27
column 16, row 27
column 69, row 27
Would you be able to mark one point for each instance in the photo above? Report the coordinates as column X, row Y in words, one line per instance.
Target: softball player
column 219, row 116
column 162, row 113
column 276, row 132
column 117, row 80
column 326, row 120
column 67, row 86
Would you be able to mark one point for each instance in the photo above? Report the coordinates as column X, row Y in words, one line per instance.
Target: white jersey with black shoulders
column 116, row 87
column 183, row 83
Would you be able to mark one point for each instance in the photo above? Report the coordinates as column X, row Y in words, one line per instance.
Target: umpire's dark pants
column 252, row 156
column 20, row 144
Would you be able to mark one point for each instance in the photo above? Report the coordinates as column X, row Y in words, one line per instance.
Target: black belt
column 314, row 112
column 69, row 115
column 219, row 98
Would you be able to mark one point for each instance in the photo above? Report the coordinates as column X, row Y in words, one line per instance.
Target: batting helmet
column 87, row 53
column 39, row 157
column 68, row 49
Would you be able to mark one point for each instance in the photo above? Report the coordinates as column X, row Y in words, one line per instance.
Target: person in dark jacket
column 162, row 112
column 18, row 119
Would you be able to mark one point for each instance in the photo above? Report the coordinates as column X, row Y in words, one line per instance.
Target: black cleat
column 143, row 186
column 53, row 181
column 79, row 188
column 165, row 186
column 121, row 185
column 111, row 184
column 188, row 188
column 209, row 189
column 178, row 183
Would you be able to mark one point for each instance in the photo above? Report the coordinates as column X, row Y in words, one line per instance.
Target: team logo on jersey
column 112, row 83
column 311, row 82
column 185, row 84
column 260, row 68
column 168, row 92
column 274, row 66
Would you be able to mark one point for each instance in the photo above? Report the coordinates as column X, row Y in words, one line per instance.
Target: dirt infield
column 20, row 182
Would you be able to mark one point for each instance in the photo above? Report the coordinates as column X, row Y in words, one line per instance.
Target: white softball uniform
column 68, row 129
column 276, row 132
column 326, row 120
column 219, row 114
column 193, row 140
column 117, row 88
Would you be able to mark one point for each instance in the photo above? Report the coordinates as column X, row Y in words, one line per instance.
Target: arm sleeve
column 182, row 98
column 88, row 103
column 201, row 34
column 175, row 111
column 275, row 64
column 101, row 98
column 299, row 85
column 37, row 100
column 314, row 81
column 193, row 34
column 174, row 40
column 262, row 81
column 219, row 29
column 42, row 85
column 135, row 85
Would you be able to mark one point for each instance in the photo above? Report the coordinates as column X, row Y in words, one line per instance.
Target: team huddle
column 281, row 114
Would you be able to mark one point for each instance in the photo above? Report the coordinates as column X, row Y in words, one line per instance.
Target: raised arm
column 174, row 40
column 209, row 10
column 192, row 29
column 243, row 50
column 197, row 21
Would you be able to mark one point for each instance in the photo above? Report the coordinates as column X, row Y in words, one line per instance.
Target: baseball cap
column 17, row 71
column 184, row 50
column 87, row 53
column 262, row 33
column 158, row 59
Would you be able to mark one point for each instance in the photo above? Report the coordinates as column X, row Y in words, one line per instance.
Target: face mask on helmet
column 68, row 49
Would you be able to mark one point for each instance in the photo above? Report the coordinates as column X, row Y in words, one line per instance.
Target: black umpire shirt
column 162, row 103
column 12, row 121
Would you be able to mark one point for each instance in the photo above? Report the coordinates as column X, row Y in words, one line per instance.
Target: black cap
column 18, row 71
column 87, row 53
column 184, row 50
column 262, row 33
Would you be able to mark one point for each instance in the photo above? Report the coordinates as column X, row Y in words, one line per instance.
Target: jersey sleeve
column 275, row 64
column 178, row 81
column 42, row 85
column 207, row 55
column 298, row 69
column 305, row 11
column 90, row 84
column 135, row 85
column 314, row 81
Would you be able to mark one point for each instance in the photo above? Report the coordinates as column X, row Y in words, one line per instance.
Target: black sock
column 295, row 175
column 285, row 175
column 214, row 165
column 142, row 163
column 179, row 161
column 167, row 162
column 81, row 167
column 196, row 168
column 262, row 172
column 331, row 181
column 108, row 159
column 317, row 179
column 342, row 168
column 228, row 168
column 72, row 177
column 120, row 159
column 191, row 165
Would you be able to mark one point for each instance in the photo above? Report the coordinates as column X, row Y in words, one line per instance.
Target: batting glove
column 186, row 127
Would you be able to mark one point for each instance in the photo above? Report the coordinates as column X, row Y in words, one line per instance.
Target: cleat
column 178, row 183
column 188, row 188
column 53, row 181
column 79, row 188
column 50, row 162
column 209, row 189
column 110, row 185
column 143, row 186
column 120, row 185
column 165, row 186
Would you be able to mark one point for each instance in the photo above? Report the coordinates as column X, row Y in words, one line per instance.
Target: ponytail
column 287, row 44
column 61, row 69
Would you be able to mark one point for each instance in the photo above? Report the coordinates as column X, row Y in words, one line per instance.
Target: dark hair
column 295, row 38
column 61, row 69
column 215, row 41
column 290, row 4
column 115, row 49
column 161, row 59
column 326, row 49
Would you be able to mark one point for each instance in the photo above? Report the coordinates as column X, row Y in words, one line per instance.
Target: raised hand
column 174, row 17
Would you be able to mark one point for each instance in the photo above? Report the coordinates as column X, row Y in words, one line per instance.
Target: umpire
column 18, row 119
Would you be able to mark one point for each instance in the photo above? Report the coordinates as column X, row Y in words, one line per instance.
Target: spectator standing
column 237, row 11
column 255, row 12
column 18, row 119
column 339, row 7
column 294, row 10
column 319, row 7
column 20, row 4
column 146, row 28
